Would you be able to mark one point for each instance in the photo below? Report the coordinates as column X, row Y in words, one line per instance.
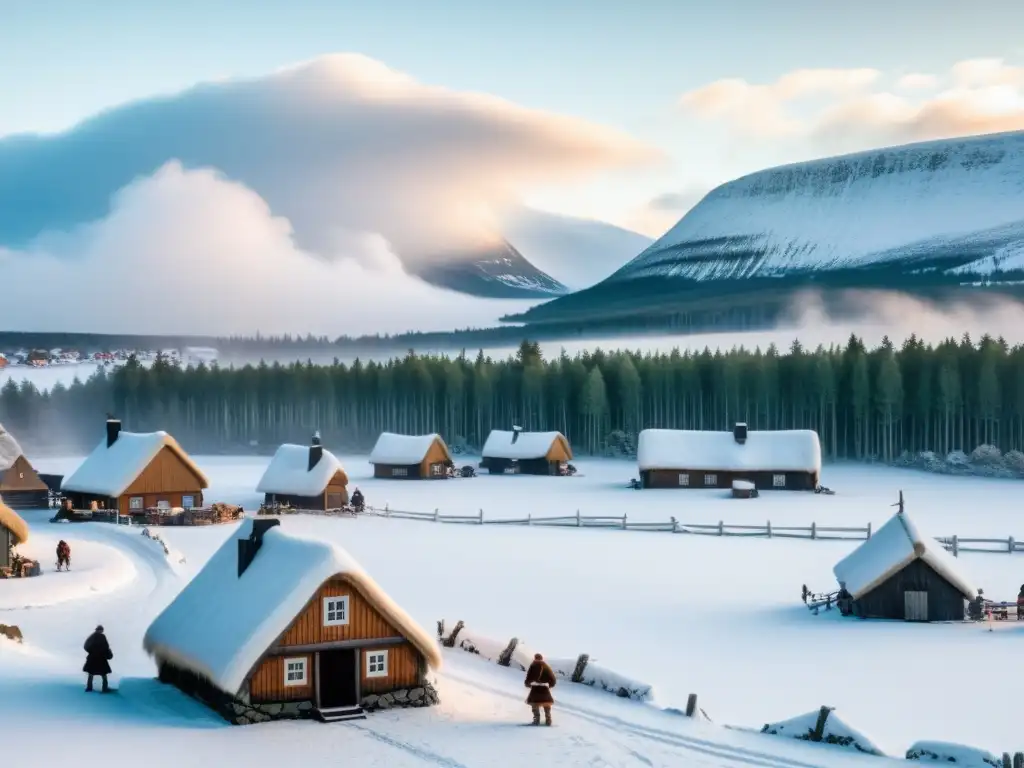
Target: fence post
column 675, row 525
column 956, row 546
column 577, row 518
column 721, row 528
column 436, row 516
column 814, row 531
column 624, row 525
column 1010, row 545
column 481, row 517
column 768, row 529
column 691, row 705
column 869, row 531
column 529, row 518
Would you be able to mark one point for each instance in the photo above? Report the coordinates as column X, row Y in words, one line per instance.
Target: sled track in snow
column 409, row 749
column 737, row 755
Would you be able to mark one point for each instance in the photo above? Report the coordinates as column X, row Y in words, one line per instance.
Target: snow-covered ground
column 719, row 617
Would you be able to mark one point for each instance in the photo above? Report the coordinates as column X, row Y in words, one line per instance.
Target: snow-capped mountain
column 495, row 269
column 946, row 214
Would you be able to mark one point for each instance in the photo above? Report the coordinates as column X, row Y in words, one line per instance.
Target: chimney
column 515, row 434
column 113, row 430
column 247, row 548
column 316, row 451
column 739, row 432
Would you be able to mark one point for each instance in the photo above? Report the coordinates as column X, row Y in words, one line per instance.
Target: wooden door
column 915, row 606
column 338, row 678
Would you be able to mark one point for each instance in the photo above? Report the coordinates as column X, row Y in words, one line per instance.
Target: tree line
column 864, row 403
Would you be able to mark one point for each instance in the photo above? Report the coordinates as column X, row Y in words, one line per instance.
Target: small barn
column 13, row 531
column 781, row 460
column 410, row 457
column 527, row 453
column 277, row 626
column 899, row 573
column 305, row 476
column 135, row 471
column 20, row 485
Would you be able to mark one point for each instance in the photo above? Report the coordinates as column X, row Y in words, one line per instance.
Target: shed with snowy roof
column 307, row 477
column 20, row 485
column 135, row 471
column 277, row 625
column 410, row 457
column 782, row 460
column 13, row 531
column 900, row 573
column 528, row 453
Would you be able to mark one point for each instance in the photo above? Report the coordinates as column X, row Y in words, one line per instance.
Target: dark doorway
column 338, row 678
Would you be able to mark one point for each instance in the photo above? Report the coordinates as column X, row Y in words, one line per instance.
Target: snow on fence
column 515, row 653
column 954, row 544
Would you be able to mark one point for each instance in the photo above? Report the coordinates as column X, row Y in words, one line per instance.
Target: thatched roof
column 10, row 520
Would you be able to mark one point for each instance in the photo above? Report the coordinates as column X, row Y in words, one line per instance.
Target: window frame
column 710, row 480
column 191, row 501
column 136, row 503
column 399, row 471
column 303, row 664
column 778, row 481
column 382, row 663
column 684, row 479
column 346, row 604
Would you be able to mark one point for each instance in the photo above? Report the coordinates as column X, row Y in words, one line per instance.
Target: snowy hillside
column 942, row 216
column 957, row 202
column 493, row 270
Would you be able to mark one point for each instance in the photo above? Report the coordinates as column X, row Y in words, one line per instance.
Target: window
column 163, row 504
column 376, row 663
column 711, row 480
column 684, row 478
column 437, row 469
column 399, row 471
column 188, row 502
column 779, row 481
column 335, row 611
column 135, row 502
column 295, row 671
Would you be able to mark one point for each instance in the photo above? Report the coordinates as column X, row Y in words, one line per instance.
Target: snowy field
column 719, row 617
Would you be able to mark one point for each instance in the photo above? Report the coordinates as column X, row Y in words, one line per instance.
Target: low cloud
column 849, row 111
column 664, row 211
column 341, row 143
column 190, row 252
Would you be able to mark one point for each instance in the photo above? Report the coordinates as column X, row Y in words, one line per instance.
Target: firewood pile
column 225, row 513
column 20, row 568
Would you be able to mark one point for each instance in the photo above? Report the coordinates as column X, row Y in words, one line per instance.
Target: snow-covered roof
column 529, row 445
column 404, row 449
column 796, row 450
column 9, row 449
column 742, row 485
column 220, row 625
column 13, row 522
column 891, row 549
column 289, row 474
column 109, row 471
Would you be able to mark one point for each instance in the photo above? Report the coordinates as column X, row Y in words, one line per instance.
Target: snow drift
column 824, row 726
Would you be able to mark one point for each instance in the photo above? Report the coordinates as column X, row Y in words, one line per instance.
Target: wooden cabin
column 13, row 531
column 526, row 453
column 410, row 457
column 20, row 485
column 901, row 574
column 277, row 625
column 306, row 477
column 135, row 471
column 783, row 460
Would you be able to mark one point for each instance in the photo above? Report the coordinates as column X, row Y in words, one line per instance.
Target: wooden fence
column 954, row 544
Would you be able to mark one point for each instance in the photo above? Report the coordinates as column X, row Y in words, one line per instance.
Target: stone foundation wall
column 240, row 713
column 424, row 695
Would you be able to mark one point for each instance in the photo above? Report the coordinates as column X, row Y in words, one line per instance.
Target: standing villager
column 1020, row 604
column 63, row 555
column 540, row 679
column 97, row 659
column 358, row 501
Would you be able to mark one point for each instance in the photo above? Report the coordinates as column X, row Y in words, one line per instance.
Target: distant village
column 44, row 358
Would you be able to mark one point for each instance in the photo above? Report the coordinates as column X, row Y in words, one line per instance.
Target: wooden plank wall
column 267, row 683
column 403, row 669
column 364, row 622
column 166, row 472
column 21, row 477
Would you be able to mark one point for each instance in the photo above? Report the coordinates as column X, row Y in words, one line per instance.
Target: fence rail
column 954, row 544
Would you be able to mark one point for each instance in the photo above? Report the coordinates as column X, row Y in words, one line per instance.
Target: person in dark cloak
column 97, row 659
column 358, row 501
column 63, row 555
column 1020, row 604
column 540, row 679
column 844, row 600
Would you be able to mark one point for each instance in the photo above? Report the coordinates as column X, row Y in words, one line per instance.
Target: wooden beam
column 374, row 642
